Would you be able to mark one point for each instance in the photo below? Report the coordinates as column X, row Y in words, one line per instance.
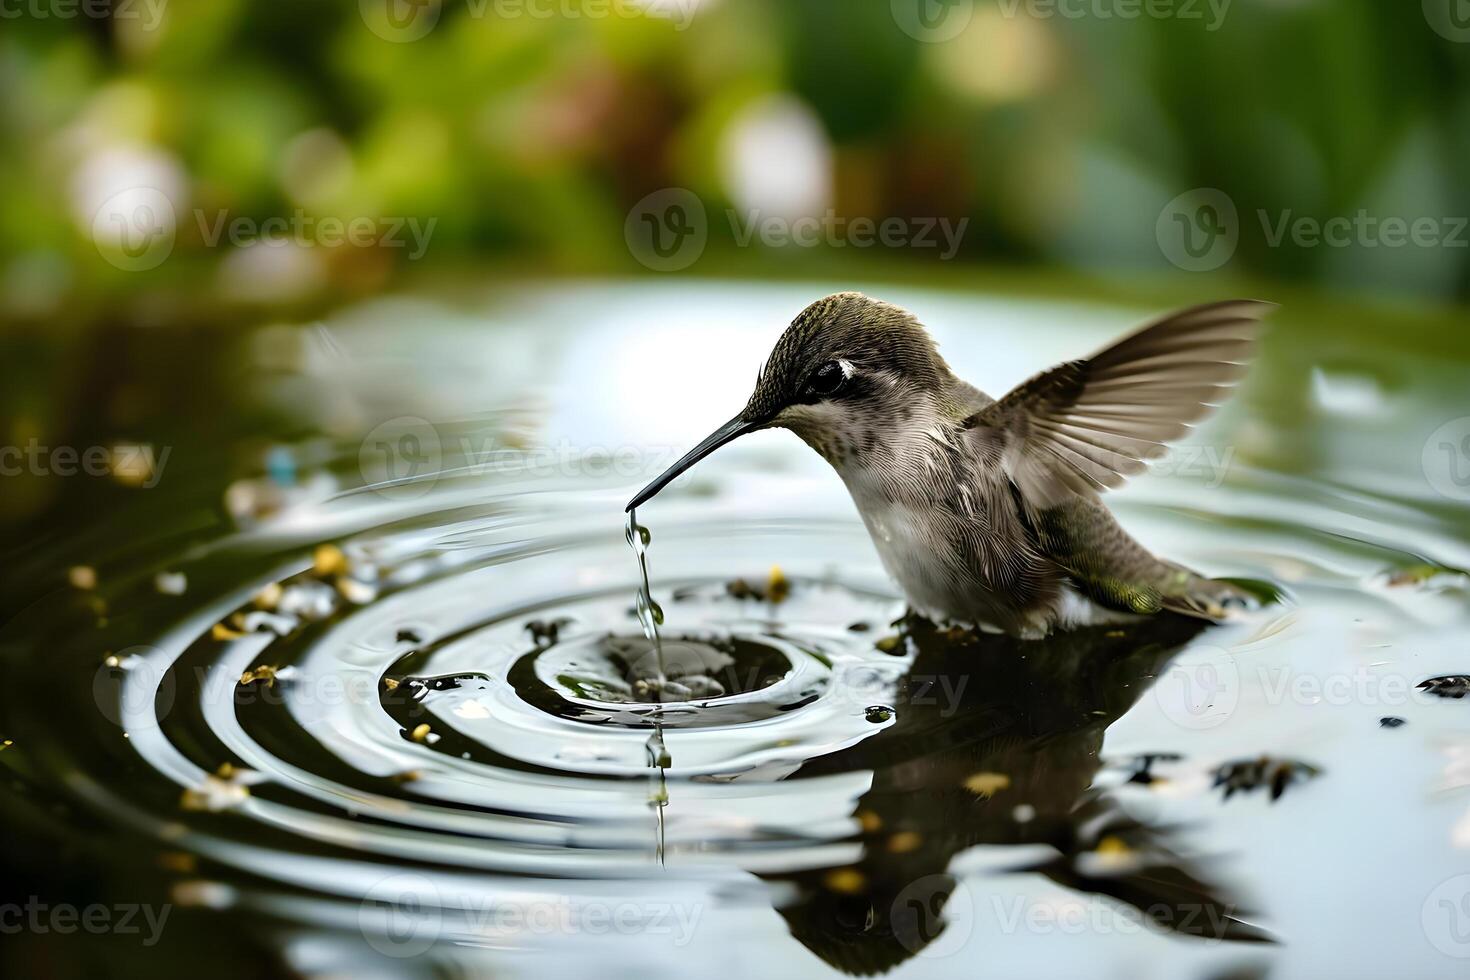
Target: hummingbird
column 988, row 512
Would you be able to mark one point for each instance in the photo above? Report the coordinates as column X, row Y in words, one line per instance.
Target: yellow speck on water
column 390, row 683
column 889, row 643
column 845, row 881
column 1113, row 845
column 214, row 795
column 113, row 660
column 778, row 586
column 904, row 841
column 987, row 784
column 869, row 821
column 82, row 577
column 407, row 776
column 328, row 560
column 264, row 674
column 421, row 733
column 269, row 597
column 179, row 861
column 1116, row 634
column 7, row 743
column 221, row 631
column 225, row 771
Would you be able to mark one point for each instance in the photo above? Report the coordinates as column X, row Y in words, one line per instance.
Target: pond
column 352, row 680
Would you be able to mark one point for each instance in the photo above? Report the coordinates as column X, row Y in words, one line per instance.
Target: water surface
column 416, row 729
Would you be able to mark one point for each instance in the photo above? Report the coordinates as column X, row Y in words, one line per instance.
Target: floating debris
column 845, row 881
column 356, row 592
column 545, row 632
column 889, row 644
column 223, row 631
column 422, row 734
column 82, row 577
column 1144, row 764
column 264, row 675
column 778, row 586
column 214, row 794
column 869, row 821
column 406, row 776
column 269, row 597
column 905, row 842
column 408, row 635
column 878, row 713
column 179, row 861
column 170, row 583
column 859, row 627
column 1449, row 686
column 1425, row 574
column 987, row 784
column 776, row 589
column 328, row 559
column 1251, row 774
column 1391, row 722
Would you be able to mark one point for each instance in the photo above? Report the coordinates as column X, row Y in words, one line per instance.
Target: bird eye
column 827, row 379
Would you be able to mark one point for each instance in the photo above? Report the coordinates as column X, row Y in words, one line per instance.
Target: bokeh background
column 177, row 173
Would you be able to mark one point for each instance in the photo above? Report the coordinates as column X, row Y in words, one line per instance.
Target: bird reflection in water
column 996, row 742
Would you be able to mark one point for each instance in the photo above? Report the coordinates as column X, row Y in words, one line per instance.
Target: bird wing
column 1087, row 425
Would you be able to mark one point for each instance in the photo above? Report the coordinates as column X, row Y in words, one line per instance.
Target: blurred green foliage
column 527, row 130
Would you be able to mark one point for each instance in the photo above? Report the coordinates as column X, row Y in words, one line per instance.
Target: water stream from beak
column 650, row 616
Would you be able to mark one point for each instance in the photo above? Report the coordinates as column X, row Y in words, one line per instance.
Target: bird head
column 845, row 372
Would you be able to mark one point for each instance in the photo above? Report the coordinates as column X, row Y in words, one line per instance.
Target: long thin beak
column 733, row 429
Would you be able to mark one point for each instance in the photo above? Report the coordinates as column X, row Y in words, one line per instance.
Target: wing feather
column 1085, row 426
